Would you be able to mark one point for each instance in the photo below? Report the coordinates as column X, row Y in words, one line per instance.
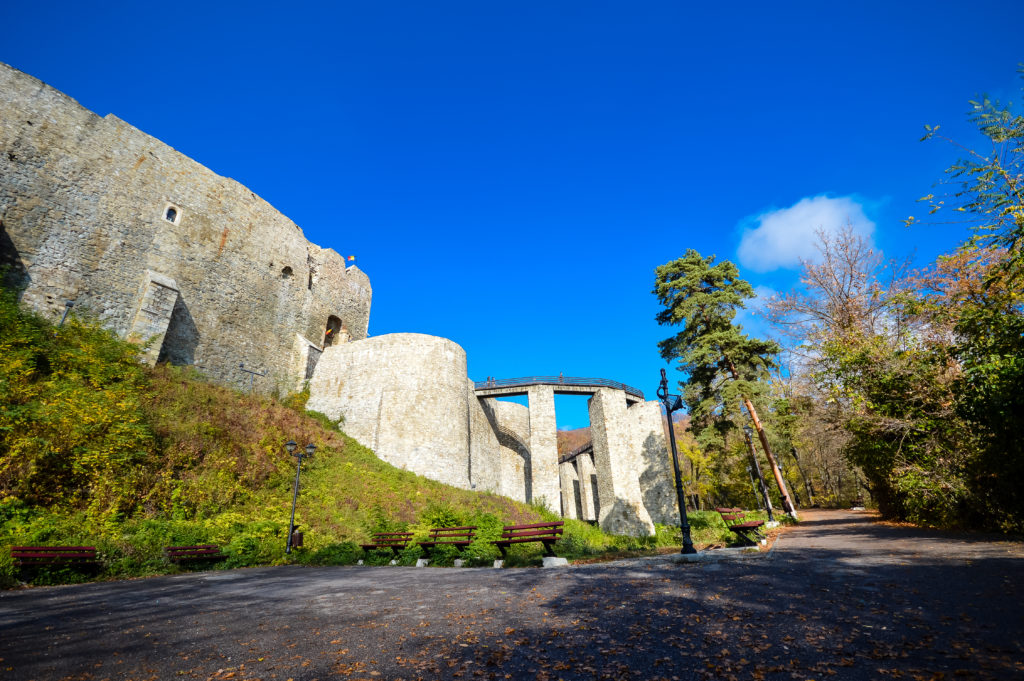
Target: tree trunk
column 787, row 503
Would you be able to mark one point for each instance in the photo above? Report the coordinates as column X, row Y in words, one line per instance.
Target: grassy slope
column 202, row 463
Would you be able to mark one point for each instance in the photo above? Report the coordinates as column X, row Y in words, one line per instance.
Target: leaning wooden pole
column 787, row 502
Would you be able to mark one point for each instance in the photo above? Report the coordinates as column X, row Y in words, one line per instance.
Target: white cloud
column 750, row 317
column 781, row 238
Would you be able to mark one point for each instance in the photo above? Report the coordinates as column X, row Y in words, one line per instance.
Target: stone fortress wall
column 161, row 248
column 406, row 396
column 206, row 273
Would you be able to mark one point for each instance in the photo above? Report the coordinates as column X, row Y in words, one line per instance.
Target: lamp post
column 252, row 378
column 672, row 403
column 807, row 483
column 748, row 432
column 753, row 486
column 68, row 304
column 291, row 447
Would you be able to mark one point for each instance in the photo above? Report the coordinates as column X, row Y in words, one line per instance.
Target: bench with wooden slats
column 54, row 556
column 736, row 520
column 547, row 533
column 459, row 537
column 193, row 554
column 395, row 541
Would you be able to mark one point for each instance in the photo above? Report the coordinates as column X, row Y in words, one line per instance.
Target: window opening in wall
column 332, row 330
column 286, row 272
column 172, row 213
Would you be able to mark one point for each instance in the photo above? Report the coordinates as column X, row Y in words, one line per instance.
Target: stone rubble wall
column 512, row 426
column 484, row 449
column 83, row 201
column 657, row 481
column 618, row 464
column 405, row 396
column 544, row 447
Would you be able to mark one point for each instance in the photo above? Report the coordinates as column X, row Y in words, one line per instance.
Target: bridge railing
column 556, row 381
column 569, row 456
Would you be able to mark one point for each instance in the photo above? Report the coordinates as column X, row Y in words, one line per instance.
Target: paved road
column 840, row 597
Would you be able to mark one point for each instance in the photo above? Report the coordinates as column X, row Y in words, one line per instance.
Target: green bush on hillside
column 97, row 449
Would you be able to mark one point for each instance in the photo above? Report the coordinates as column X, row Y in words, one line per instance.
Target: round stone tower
column 404, row 395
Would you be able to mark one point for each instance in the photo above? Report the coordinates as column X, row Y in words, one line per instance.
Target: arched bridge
column 563, row 385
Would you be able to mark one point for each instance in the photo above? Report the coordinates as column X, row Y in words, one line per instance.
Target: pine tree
column 718, row 358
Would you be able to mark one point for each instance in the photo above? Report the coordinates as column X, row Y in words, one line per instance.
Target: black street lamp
column 68, row 304
column 673, row 403
column 291, row 447
column 749, row 432
column 753, row 486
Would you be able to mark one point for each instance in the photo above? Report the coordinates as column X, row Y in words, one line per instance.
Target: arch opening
column 332, row 330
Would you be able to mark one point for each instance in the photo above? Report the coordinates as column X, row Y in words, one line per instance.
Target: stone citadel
column 203, row 272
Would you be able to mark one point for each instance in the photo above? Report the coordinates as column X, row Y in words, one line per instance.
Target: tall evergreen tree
column 718, row 358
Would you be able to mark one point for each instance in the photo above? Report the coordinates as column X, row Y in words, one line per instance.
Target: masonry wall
column 657, row 481
column 405, row 396
column 83, row 201
column 512, row 424
column 485, row 469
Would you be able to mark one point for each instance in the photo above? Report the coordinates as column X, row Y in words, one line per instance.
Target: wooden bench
column 54, row 556
column 191, row 554
column 736, row 520
column 396, row 541
column 459, row 537
column 548, row 533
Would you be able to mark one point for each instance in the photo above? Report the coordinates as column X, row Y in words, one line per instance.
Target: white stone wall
column 512, row 421
column 587, row 474
column 657, row 484
column 544, row 447
column 405, row 396
column 618, row 465
column 484, row 449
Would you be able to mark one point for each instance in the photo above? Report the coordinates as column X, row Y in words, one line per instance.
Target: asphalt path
column 840, row 596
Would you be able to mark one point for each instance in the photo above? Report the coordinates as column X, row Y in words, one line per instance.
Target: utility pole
column 748, row 431
column 807, row 483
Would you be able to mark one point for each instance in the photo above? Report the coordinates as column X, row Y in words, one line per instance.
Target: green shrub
column 410, row 554
column 441, row 514
column 339, row 553
column 379, row 556
column 259, row 543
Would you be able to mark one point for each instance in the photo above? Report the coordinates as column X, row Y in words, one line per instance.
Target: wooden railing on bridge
column 569, row 456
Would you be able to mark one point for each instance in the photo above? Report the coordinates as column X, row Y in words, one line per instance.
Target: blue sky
column 510, row 174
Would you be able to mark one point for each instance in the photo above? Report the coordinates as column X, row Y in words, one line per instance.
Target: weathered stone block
column 622, row 510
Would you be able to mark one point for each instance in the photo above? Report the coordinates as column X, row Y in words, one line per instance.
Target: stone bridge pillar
column 618, row 466
column 567, row 475
column 588, row 487
column 544, row 446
